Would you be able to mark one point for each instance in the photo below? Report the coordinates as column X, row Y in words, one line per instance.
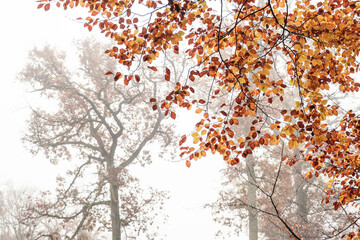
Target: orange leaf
column 188, row 163
column 47, row 7
column 183, row 139
column 287, row 118
column 153, row 68
column 117, row 76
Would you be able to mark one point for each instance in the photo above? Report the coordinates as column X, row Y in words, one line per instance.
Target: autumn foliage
column 276, row 61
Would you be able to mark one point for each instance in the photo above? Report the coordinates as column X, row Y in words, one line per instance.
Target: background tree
column 298, row 202
column 14, row 222
column 13, row 206
column 102, row 128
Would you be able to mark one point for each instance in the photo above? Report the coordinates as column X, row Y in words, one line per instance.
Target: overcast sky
column 23, row 27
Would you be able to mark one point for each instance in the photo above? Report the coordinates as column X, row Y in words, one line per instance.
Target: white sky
column 23, row 27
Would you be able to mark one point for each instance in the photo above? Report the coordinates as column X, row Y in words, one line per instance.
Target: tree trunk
column 300, row 194
column 251, row 194
column 115, row 211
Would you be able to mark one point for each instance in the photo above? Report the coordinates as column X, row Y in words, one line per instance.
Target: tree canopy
column 277, row 62
column 101, row 128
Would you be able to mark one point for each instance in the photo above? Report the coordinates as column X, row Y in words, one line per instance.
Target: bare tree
column 102, row 127
column 13, row 204
column 14, row 222
column 287, row 204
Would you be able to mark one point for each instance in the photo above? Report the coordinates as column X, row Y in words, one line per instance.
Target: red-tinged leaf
column 188, row 163
column 137, row 78
column 152, row 100
column 173, row 115
column 109, row 73
column 223, row 113
column 154, row 107
column 47, row 7
column 126, row 81
column 128, row 12
column 176, row 49
column 167, row 74
column 58, row 4
column 40, row 5
column 183, row 139
column 231, row 133
column 153, row 68
column 117, row 76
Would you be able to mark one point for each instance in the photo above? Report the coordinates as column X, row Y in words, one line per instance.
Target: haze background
column 23, row 27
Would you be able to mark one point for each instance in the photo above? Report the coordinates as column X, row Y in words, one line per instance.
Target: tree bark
column 115, row 211
column 251, row 194
column 301, row 194
column 301, row 191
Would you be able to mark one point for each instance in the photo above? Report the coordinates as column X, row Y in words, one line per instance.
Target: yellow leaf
column 195, row 134
column 263, row 87
column 241, row 139
column 302, row 59
column 287, row 118
column 199, row 110
column 297, row 47
column 242, row 80
column 264, row 71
